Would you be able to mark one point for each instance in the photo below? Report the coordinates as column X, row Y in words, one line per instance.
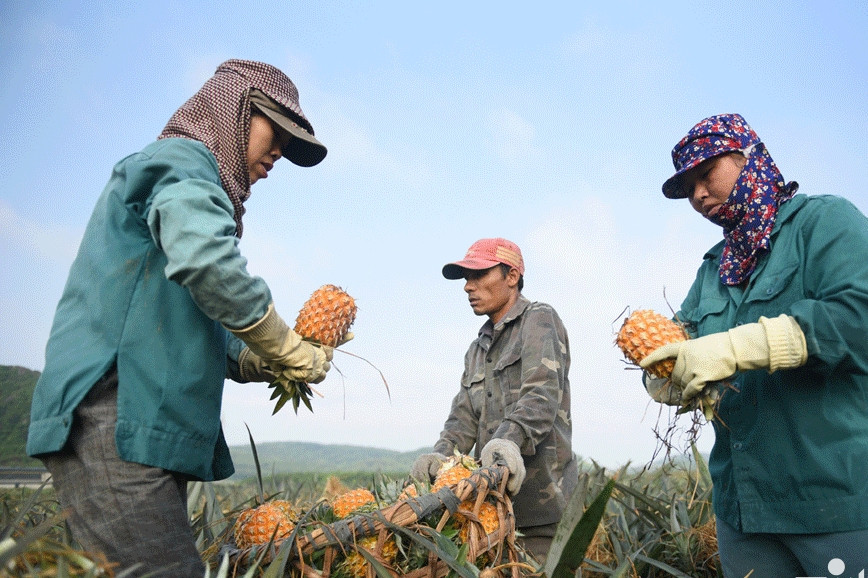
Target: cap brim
column 457, row 270
column 672, row 187
column 303, row 149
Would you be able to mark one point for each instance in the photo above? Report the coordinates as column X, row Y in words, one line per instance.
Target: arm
column 191, row 221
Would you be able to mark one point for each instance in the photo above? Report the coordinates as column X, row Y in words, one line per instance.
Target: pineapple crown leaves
column 325, row 320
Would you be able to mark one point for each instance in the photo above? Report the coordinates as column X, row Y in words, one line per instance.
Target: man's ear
column 512, row 277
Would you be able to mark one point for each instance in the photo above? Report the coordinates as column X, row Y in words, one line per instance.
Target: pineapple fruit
column 351, row 501
column 454, row 470
column 256, row 526
column 356, row 565
column 487, row 517
column 325, row 319
column 643, row 332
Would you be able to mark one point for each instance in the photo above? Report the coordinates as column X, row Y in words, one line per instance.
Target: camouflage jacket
column 515, row 386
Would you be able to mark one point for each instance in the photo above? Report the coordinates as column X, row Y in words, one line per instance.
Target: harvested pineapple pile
column 465, row 511
column 325, row 319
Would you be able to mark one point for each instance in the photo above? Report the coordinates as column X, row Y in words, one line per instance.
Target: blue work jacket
column 157, row 277
column 791, row 448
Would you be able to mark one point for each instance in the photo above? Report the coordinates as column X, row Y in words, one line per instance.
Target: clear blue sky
column 550, row 124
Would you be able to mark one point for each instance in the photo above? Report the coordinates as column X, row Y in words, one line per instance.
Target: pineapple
column 454, row 470
column 349, row 502
column 287, row 508
column 258, row 525
column 409, row 492
column 487, row 517
column 643, row 332
column 356, row 565
column 325, row 319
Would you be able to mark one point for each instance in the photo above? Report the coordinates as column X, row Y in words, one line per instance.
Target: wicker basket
column 338, row 538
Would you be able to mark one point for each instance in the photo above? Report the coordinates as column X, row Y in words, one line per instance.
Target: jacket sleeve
column 192, row 222
column 834, row 313
column 543, row 368
column 459, row 431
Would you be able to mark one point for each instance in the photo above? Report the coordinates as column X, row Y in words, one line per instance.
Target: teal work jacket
column 791, row 448
column 157, row 276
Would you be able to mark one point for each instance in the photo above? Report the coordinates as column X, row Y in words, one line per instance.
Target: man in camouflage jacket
column 513, row 405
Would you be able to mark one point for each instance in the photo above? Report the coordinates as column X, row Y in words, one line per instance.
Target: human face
column 710, row 183
column 490, row 292
column 263, row 146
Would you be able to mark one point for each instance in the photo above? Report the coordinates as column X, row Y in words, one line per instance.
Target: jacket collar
column 489, row 328
column 785, row 212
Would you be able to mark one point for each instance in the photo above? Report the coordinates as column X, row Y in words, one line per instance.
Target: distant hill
column 16, row 392
column 297, row 457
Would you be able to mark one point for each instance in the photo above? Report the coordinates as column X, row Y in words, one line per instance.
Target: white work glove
column 283, row 350
column 426, row 466
column 776, row 343
column 502, row 450
column 252, row 368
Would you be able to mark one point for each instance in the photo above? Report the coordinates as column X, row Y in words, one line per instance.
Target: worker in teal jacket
column 157, row 311
column 779, row 319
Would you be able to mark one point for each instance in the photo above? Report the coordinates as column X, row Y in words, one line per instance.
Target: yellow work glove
column 776, row 343
column 283, row 350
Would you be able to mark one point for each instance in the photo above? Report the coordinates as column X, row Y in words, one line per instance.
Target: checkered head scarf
column 218, row 115
column 749, row 214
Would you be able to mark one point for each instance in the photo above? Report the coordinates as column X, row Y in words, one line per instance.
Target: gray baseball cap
column 303, row 149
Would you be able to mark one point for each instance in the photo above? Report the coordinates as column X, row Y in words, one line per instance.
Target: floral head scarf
column 748, row 215
column 218, row 115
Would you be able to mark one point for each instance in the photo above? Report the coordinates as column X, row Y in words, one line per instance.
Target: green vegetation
column 16, row 391
column 630, row 523
column 633, row 522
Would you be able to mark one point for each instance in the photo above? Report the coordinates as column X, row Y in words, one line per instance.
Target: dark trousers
column 135, row 515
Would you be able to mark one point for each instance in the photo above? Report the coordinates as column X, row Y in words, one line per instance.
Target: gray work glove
column 252, row 368
column 502, row 450
column 661, row 389
column 283, row 350
column 426, row 466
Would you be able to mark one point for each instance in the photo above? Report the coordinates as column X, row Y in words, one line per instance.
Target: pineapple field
column 628, row 523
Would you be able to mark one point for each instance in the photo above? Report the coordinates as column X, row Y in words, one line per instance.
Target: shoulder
column 183, row 157
column 818, row 206
column 542, row 314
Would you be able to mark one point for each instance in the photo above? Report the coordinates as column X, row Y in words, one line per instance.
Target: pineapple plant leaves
column 575, row 532
column 441, row 546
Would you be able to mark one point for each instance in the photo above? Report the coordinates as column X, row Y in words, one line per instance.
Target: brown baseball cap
column 484, row 254
column 303, row 149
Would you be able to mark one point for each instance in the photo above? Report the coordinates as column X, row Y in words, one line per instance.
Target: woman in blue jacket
column 779, row 319
column 158, row 309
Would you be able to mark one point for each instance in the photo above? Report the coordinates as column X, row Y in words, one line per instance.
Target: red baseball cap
column 484, row 254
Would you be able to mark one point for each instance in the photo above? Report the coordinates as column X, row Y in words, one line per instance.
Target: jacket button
column 737, row 446
column 491, row 430
column 489, row 394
